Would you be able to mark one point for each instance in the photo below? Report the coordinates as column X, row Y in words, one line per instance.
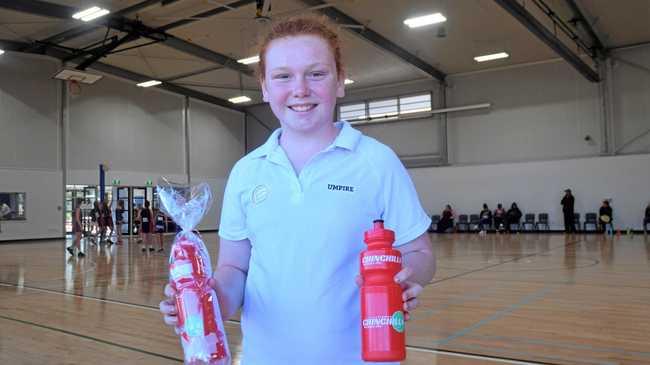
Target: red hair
column 302, row 25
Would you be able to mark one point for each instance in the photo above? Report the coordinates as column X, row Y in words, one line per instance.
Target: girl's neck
column 301, row 147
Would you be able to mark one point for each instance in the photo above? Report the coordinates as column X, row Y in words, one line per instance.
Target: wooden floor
column 519, row 299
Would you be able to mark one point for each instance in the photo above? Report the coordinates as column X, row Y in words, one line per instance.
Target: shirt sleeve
column 232, row 225
column 402, row 212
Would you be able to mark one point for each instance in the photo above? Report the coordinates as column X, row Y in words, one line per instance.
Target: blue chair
column 463, row 221
column 590, row 219
column 542, row 220
column 529, row 220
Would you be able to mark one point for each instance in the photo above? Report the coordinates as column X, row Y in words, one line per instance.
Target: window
column 12, row 206
column 385, row 109
column 352, row 112
column 415, row 104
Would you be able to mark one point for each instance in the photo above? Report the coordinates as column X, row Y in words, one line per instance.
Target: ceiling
column 473, row 27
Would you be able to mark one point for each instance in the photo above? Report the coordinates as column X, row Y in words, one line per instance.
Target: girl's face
column 301, row 83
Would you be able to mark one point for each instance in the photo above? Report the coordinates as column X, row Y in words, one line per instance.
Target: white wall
column 30, row 144
column 539, row 112
column 538, row 187
column 216, row 143
column 138, row 131
column 631, row 107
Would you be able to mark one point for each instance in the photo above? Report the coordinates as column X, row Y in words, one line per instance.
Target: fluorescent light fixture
column 490, row 57
column 149, row 83
column 239, row 99
column 249, row 60
column 90, row 13
column 2, row 51
column 421, row 21
column 348, row 81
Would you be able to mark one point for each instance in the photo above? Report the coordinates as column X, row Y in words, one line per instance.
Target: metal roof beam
column 539, row 30
column 125, row 74
column 377, row 39
column 580, row 17
column 129, row 26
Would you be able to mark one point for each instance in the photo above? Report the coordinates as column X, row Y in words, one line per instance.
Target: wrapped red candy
column 199, row 319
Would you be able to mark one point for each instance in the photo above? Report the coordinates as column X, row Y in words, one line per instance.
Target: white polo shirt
column 301, row 302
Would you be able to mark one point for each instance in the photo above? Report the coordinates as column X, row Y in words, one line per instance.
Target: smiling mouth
column 302, row 107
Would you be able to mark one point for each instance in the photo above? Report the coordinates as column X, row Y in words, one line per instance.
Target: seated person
column 513, row 216
column 447, row 220
column 499, row 218
column 606, row 217
column 485, row 219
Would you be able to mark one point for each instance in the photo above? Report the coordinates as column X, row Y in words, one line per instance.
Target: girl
column 276, row 222
column 145, row 227
column 160, row 228
column 76, row 229
column 119, row 220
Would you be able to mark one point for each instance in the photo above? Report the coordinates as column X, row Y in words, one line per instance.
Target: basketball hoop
column 74, row 87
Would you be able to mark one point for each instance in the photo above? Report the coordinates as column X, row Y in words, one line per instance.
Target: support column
column 64, row 128
column 444, row 149
column 186, row 137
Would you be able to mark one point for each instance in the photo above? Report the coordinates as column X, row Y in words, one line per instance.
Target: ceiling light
column 421, row 21
column 149, row 83
column 239, row 99
column 490, row 57
column 2, row 51
column 348, row 81
column 249, row 60
column 90, row 14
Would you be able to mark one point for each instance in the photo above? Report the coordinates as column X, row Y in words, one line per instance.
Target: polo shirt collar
column 348, row 138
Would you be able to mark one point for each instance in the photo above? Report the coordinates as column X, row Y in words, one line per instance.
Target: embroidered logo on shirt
column 260, row 193
column 340, row 188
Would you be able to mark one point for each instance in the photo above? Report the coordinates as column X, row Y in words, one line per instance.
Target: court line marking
column 232, row 321
column 562, row 360
column 538, row 294
column 90, row 338
column 476, row 356
column 573, row 346
column 504, row 262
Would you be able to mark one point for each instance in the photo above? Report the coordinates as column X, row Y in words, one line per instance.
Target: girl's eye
column 317, row 74
column 281, row 76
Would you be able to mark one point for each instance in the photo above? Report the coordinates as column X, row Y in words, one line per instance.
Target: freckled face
column 301, row 83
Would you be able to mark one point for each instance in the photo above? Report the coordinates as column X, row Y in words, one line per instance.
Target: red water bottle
column 382, row 318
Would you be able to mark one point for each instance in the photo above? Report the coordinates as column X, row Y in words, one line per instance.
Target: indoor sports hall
column 524, row 126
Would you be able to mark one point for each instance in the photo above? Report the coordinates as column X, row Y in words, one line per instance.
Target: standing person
column 119, row 220
column 101, row 221
column 145, row 226
column 76, row 229
column 486, row 219
column 160, row 228
column 108, row 221
column 499, row 218
column 606, row 217
column 329, row 182
column 94, row 219
column 137, row 222
column 568, row 202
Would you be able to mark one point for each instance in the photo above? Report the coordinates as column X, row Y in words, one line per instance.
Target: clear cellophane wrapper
column 200, row 325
